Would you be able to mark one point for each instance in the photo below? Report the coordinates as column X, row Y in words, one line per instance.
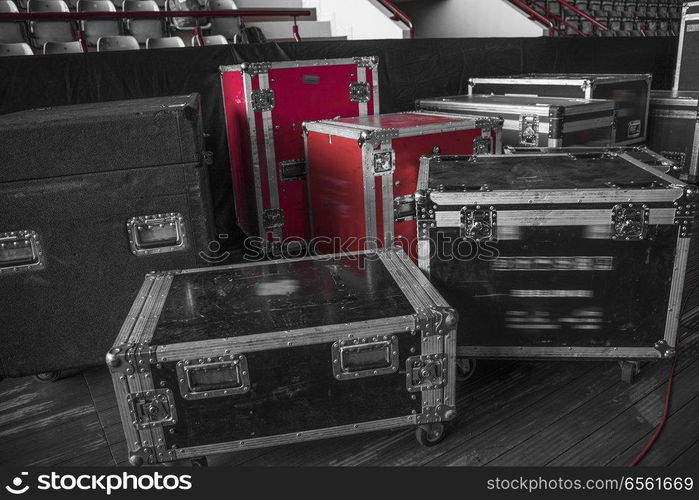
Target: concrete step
column 279, row 30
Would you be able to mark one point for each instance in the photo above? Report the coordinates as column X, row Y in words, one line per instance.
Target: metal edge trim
column 678, row 61
column 517, row 352
column 674, row 182
column 594, row 123
column 270, row 157
column 134, row 312
column 676, row 289
column 295, row 437
column 555, row 196
column 294, row 64
column 370, row 224
column 254, row 152
column 281, row 339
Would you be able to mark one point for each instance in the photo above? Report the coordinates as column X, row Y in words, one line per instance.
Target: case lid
column 565, row 78
column 100, row 137
column 538, row 173
column 400, row 124
column 241, row 300
column 516, row 103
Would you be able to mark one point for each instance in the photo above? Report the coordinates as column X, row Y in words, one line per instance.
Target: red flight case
column 265, row 106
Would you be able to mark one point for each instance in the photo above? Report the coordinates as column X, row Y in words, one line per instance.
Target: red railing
column 533, row 15
column 84, row 16
column 539, row 11
column 399, row 15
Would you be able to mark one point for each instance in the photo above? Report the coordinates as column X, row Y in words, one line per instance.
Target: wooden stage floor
column 510, row 413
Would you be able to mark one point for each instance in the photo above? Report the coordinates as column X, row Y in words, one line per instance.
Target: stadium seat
column 164, row 43
column 10, row 31
column 143, row 29
column 15, row 49
column 50, row 31
column 112, row 43
column 228, row 27
column 210, row 40
column 95, row 29
column 62, row 47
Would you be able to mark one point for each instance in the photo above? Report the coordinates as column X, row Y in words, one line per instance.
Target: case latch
column 273, row 218
column 482, row 145
column 529, row 130
column 479, row 224
column 426, row 372
column 262, row 99
column 292, row 170
column 383, row 162
column 629, row 222
column 404, row 208
column 360, row 92
column 152, row 408
column 20, row 251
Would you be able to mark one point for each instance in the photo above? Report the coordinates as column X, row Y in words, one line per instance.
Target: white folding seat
column 15, row 49
column 164, row 43
column 121, row 42
column 50, row 31
column 143, row 29
column 10, row 31
column 95, row 29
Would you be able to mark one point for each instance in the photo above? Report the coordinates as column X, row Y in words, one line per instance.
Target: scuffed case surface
column 292, row 390
column 617, row 297
column 273, row 298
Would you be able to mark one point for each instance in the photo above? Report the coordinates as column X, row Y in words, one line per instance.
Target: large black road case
column 687, row 69
column 92, row 198
column 537, row 121
column 673, row 129
column 260, row 354
column 630, row 92
column 556, row 255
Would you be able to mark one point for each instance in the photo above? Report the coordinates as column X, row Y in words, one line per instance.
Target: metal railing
column 196, row 14
column 399, row 15
column 539, row 11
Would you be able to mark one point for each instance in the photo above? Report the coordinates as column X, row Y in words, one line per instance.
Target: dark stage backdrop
column 409, row 69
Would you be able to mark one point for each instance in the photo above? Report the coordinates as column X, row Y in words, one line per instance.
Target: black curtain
column 409, row 69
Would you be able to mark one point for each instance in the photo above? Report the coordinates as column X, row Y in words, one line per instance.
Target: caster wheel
column 430, row 435
column 465, row 368
column 199, row 462
column 629, row 371
column 48, row 377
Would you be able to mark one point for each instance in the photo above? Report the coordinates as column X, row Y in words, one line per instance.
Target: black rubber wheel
column 628, row 372
column 48, row 377
column 199, row 462
column 465, row 368
column 431, row 434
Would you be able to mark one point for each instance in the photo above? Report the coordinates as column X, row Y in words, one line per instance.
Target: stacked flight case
column 557, row 255
column 537, row 121
column 363, row 173
column 93, row 196
column 673, row 129
column 687, row 68
column 265, row 105
column 630, row 92
column 322, row 346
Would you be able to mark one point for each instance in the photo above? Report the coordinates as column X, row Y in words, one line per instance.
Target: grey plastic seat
column 210, row 40
column 143, row 29
column 62, row 48
column 50, row 31
column 15, row 49
column 229, row 27
column 93, row 30
column 164, row 43
column 112, row 43
column 10, row 31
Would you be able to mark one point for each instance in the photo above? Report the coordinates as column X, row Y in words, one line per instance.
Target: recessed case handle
column 149, row 234
column 213, row 377
column 365, row 357
column 20, row 251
